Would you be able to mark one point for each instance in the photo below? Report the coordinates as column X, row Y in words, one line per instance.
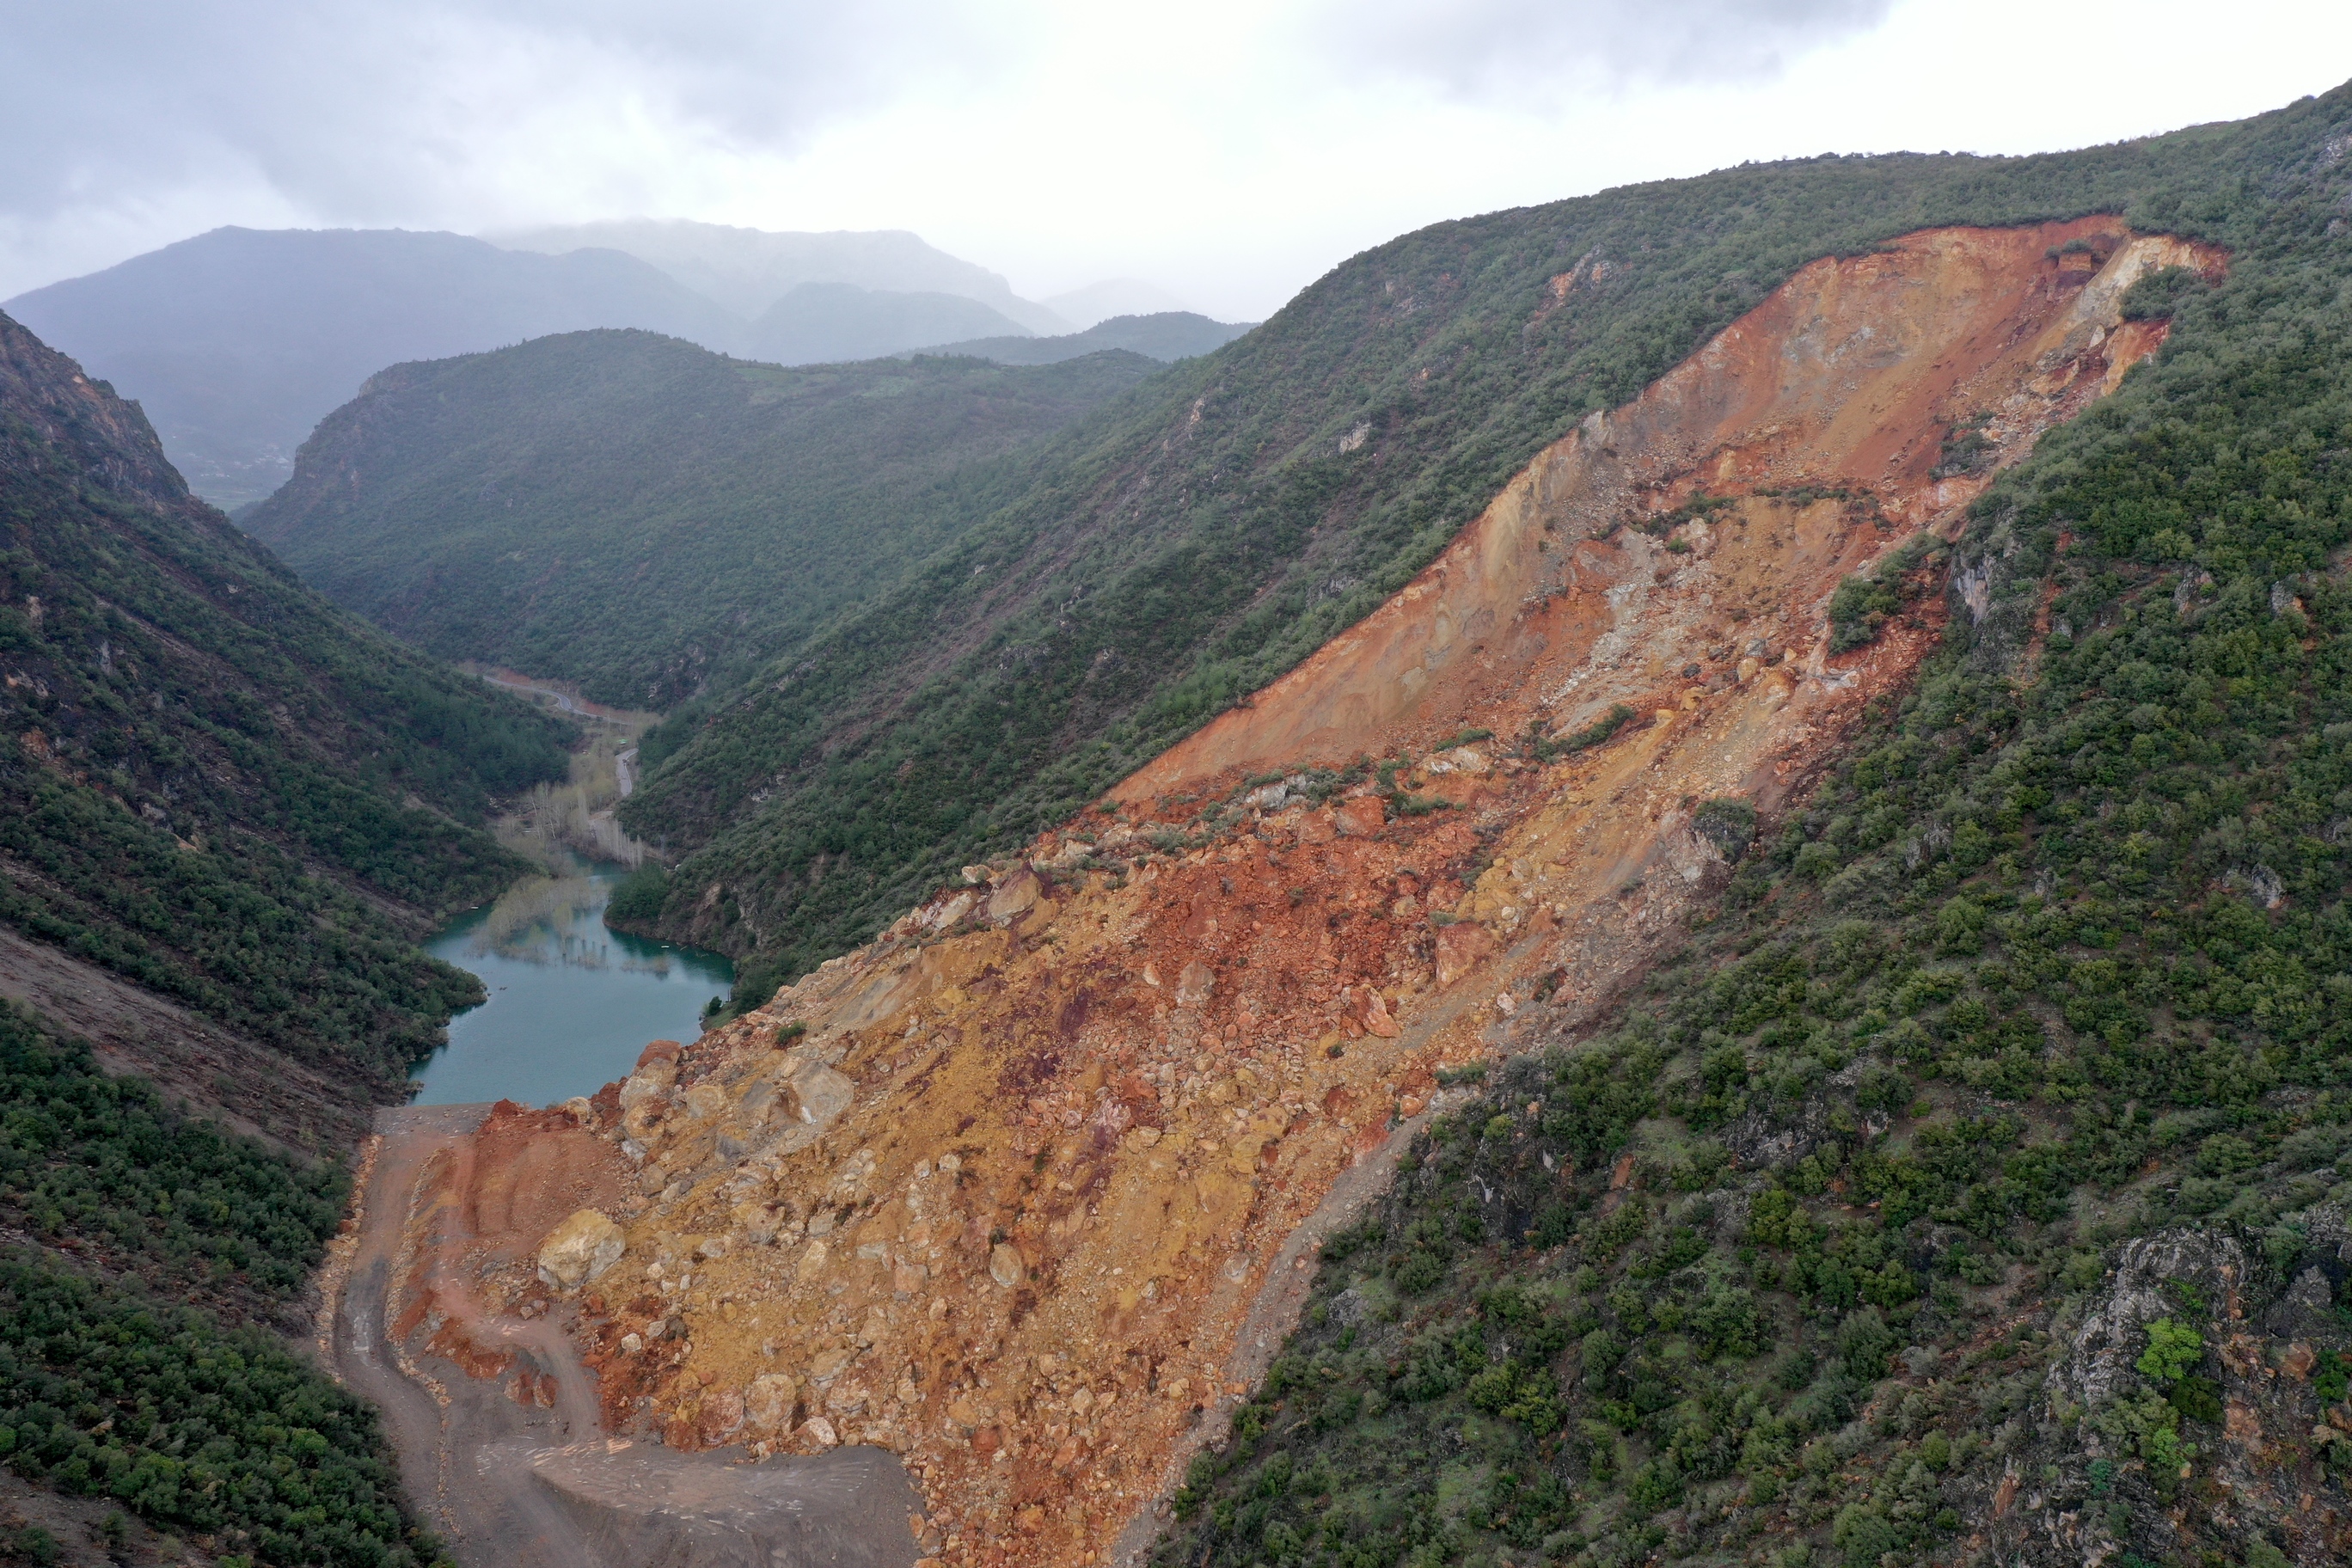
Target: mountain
column 748, row 269
column 1660, row 880
column 238, row 341
column 644, row 517
column 1172, row 335
column 1180, row 550
column 836, row 322
column 1083, row 308
column 222, row 790
column 228, row 811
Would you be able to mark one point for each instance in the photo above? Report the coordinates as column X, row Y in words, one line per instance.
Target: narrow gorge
column 982, row 1230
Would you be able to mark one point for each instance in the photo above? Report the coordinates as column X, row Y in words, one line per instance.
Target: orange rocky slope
column 1020, row 1190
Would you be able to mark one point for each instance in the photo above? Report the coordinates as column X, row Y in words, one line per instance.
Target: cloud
column 367, row 111
column 1545, row 48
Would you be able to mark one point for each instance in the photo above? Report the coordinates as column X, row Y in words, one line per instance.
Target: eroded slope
column 1020, row 1191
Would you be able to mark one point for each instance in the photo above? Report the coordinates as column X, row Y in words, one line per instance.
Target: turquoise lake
column 572, row 1003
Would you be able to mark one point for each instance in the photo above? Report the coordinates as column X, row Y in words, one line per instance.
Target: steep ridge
column 1827, row 406
column 646, row 518
column 1186, row 547
column 1022, row 1191
column 219, row 792
column 226, row 813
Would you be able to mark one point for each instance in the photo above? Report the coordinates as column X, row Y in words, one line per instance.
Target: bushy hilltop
column 1179, row 547
column 644, row 517
column 1967, row 1190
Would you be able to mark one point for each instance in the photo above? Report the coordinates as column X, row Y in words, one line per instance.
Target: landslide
column 1970, row 1186
column 1026, row 1191
column 1184, row 547
column 643, row 517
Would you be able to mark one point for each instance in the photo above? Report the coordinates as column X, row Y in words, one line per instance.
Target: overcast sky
column 1228, row 150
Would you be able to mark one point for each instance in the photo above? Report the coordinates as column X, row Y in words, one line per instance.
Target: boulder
column 768, row 1404
column 720, row 1417
column 649, row 1084
column 1195, row 985
column 1364, row 816
column 1005, row 1266
column 1014, row 897
column 581, row 1251
column 1461, row 948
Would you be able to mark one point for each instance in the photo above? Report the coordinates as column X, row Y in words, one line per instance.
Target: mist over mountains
column 748, row 270
column 236, row 342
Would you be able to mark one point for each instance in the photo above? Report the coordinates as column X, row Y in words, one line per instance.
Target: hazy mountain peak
column 748, row 269
column 1099, row 301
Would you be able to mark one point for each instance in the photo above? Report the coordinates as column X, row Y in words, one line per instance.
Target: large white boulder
column 580, row 1250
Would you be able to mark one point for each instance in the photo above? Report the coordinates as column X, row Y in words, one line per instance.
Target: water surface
column 572, row 1003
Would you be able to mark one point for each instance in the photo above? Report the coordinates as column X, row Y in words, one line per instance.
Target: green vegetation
column 1545, row 749
column 644, row 517
column 1180, row 547
column 106, row 1389
column 2058, row 959
column 215, row 1432
column 105, row 1162
column 1862, row 606
column 214, row 784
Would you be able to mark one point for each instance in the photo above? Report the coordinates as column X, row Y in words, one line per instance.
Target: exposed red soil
column 1000, row 1192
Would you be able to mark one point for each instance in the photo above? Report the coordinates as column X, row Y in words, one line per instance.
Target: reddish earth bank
column 1022, row 1193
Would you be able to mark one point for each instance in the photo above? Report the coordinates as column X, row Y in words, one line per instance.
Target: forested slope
column 216, row 787
column 1969, row 1189
column 227, row 811
column 644, row 517
column 1179, row 548
column 148, row 1258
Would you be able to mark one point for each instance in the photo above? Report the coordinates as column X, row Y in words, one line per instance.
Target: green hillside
column 643, row 517
column 230, row 802
column 1164, row 335
column 1182, row 547
column 137, row 1364
column 216, row 785
column 2031, row 1023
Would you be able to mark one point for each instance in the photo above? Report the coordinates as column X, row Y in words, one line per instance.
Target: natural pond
column 572, row 1003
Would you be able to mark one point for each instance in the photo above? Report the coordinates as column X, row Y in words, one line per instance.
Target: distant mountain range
column 236, row 342
column 1169, row 335
column 1083, row 308
column 750, row 270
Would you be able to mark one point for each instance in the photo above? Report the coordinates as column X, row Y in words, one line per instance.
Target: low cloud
column 123, row 112
column 1547, row 48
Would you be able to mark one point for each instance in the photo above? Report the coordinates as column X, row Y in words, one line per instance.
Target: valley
column 1027, row 1193
column 1660, row 880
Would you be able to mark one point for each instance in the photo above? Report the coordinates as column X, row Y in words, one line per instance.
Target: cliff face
column 1023, row 1190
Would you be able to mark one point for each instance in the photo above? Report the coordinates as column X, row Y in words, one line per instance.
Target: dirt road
column 535, row 1482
